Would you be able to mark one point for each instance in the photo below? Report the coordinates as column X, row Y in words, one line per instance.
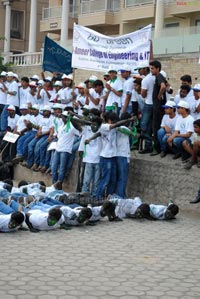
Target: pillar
column 64, row 24
column 159, row 18
column 7, row 31
column 32, row 27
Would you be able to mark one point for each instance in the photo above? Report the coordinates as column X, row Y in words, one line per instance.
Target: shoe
column 43, row 169
column 189, row 164
column 145, row 151
column 176, row 156
column 24, row 164
column 154, row 153
column 196, row 200
column 17, row 159
column 163, row 154
column 35, row 166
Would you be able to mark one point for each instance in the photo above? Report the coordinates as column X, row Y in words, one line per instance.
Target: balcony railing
column 99, row 5
column 26, row 59
column 129, row 3
column 56, row 12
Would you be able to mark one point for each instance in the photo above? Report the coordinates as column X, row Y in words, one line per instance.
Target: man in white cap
column 92, row 98
column 167, row 126
column 183, row 131
column 11, row 90
column 127, row 89
column 115, row 89
column 24, row 90
column 81, row 98
column 45, row 92
column 32, row 94
column 68, row 94
column 56, row 96
column 194, row 102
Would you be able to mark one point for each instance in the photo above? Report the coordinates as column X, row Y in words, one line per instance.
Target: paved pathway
column 130, row 259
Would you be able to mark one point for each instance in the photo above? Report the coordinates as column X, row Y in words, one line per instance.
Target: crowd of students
column 54, row 117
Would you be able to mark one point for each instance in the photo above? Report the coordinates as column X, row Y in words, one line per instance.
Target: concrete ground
column 129, row 259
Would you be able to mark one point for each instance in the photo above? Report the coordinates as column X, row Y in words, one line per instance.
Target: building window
column 17, row 24
column 197, row 26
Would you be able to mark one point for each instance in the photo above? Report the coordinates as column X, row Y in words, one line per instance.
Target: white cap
column 58, row 83
column 57, row 106
column 11, row 107
column 10, row 74
column 48, row 79
column 196, row 87
column 66, row 113
column 46, row 108
column 35, row 77
column 112, row 68
column 125, row 67
column 183, row 104
column 3, row 74
column 23, row 106
column 93, row 78
column 16, row 76
column 163, row 73
column 169, row 104
column 81, row 85
column 70, row 76
column 36, row 107
column 40, row 82
column 141, row 65
column 33, row 83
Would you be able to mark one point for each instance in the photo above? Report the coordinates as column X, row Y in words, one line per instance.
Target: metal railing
column 129, row 3
column 99, row 5
column 56, row 12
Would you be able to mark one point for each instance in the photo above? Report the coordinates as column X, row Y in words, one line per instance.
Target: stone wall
column 152, row 178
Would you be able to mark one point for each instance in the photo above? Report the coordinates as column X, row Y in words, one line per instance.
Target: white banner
column 10, row 137
column 95, row 51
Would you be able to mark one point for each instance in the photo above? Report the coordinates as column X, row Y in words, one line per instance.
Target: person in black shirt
column 159, row 99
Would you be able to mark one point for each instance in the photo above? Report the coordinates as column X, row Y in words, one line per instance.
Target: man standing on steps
column 159, row 99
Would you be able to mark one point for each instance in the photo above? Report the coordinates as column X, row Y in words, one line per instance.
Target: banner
column 56, row 58
column 95, row 51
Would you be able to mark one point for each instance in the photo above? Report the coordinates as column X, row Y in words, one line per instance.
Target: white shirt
column 31, row 99
column 127, row 89
column 4, row 221
column 184, row 125
column 108, row 138
column 13, row 99
column 57, row 123
column 44, row 100
column 112, row 97
column 170, row 122
column 36, row 120
column 70, row 215
column 148, row 85
column 93, row 149
column 23, row 94
column 66, row 96
column 66, row 138
column 193, row 104
column 46, row 124
column 96, row 216
column 95, row 95
column 80, row 98
column 126, row 206
column 20, row 123
column 38, row 219
column 3, row 95
column 123, row 144
column 12, row 122
column 158, row 211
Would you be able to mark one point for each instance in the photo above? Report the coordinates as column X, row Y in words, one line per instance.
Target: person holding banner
column 45, row 92
column 115, row 90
